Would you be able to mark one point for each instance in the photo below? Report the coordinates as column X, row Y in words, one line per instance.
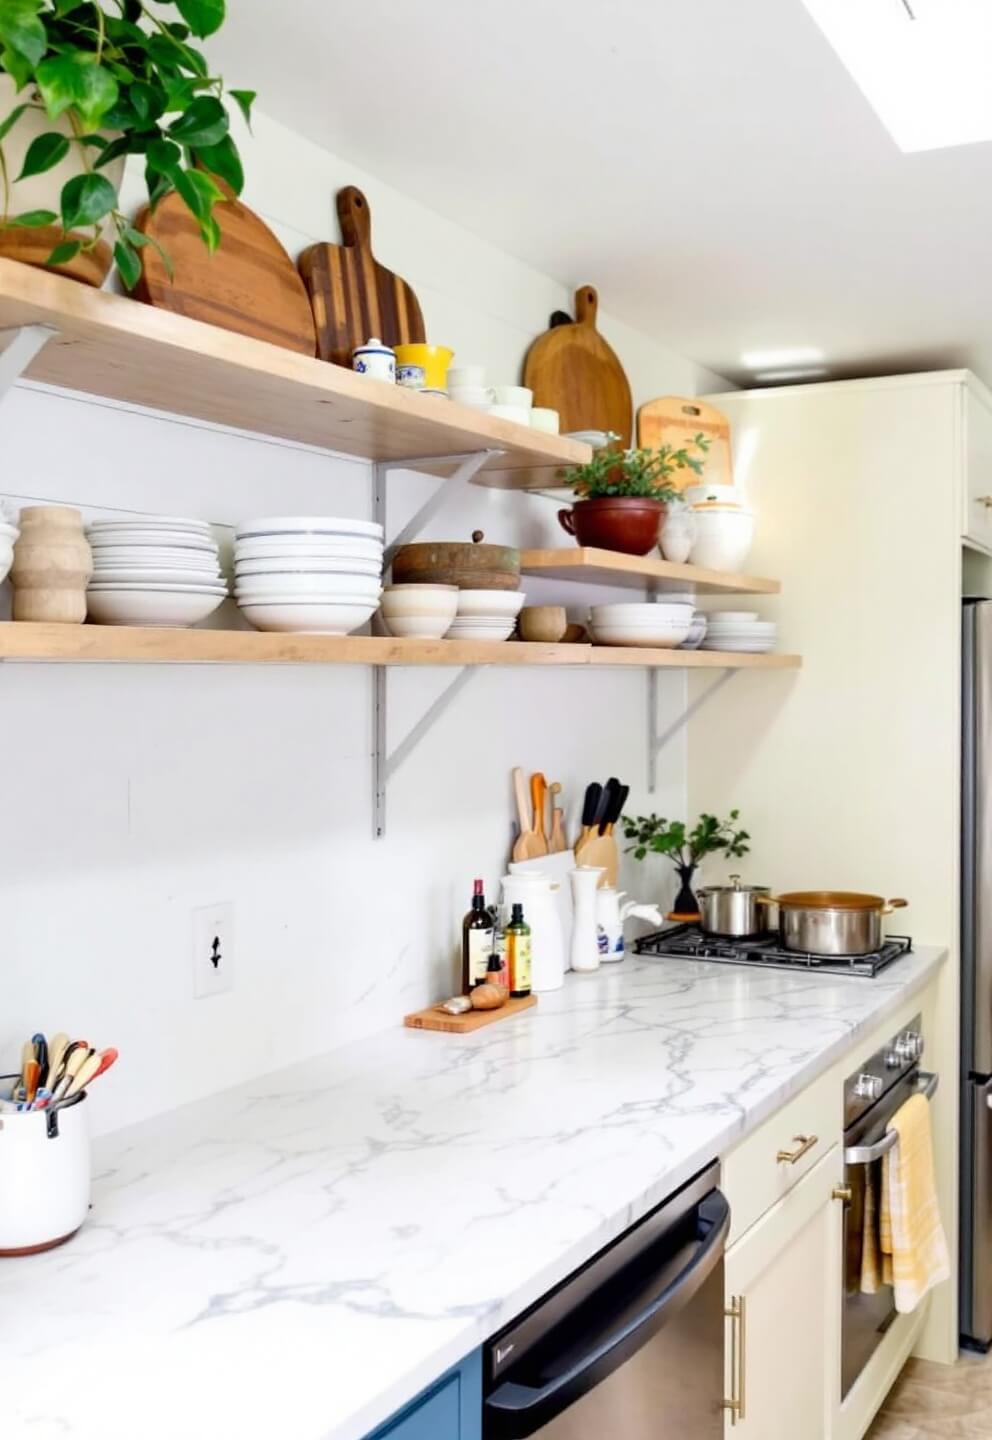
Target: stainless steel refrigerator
column 976, row 977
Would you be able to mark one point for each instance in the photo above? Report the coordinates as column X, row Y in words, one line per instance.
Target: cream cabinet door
column 783, row 1288
column 977, row 488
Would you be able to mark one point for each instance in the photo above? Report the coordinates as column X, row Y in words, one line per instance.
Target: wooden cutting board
column 249, row 285
column 472, row 1019
column 571, row 369
column 354, row 297
column 676, row 420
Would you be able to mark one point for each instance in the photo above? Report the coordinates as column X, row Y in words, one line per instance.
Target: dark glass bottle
column 476, row 943
column 518, row 953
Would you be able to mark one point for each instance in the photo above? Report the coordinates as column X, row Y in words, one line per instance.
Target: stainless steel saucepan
column 833, row 922
column 735, row 911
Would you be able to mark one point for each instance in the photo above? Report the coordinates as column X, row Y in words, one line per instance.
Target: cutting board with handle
column 434, row 1019
column 676, row 420
column 572, row 369
column 248, row 285
column 354, row 297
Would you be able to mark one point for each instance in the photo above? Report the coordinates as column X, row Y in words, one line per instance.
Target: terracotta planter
column 43, row 192
column 628, row 523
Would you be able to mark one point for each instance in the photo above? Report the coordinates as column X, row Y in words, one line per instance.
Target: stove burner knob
column 868, row 1087
column 909, row 1046
column 893, row 1060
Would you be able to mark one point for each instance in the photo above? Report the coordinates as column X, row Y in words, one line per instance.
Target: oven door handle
column 927, row 1083
column 514, row 1410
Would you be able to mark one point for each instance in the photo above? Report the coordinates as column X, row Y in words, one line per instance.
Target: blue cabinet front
column 449, row 1410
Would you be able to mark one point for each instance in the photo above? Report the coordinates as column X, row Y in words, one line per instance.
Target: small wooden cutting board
column 354, row 298
column 676, row 420
column 432, row 1019
column 572, row 369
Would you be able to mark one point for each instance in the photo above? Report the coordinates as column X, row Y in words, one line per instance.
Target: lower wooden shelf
column 123, row 644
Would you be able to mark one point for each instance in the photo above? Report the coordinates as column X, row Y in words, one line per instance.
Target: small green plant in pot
column 623, row 495
column 83, row 85
column 653, row 835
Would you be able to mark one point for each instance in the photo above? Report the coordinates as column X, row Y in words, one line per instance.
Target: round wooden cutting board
column 571, row 369
column 249, row 285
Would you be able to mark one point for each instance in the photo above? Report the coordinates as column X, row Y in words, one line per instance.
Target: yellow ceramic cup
column 434, row 358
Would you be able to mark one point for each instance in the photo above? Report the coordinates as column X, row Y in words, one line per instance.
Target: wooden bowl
column 543, row 624
column 473, row 566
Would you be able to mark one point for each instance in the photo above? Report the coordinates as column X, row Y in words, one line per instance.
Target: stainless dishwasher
column 630, row 1346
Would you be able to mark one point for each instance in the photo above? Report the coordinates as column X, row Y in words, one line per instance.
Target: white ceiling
column 708, row 164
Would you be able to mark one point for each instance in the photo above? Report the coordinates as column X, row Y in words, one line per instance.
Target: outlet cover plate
column 213, row 949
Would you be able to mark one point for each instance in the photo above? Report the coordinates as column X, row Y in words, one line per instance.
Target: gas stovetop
column 689, row 941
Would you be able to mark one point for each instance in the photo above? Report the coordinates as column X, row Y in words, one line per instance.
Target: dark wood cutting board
column 249, row 285
column 571, row 369
column 354, row 297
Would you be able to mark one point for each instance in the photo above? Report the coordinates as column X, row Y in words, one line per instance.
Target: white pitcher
column 610, row 917
column 585, row 943
column 535, row 891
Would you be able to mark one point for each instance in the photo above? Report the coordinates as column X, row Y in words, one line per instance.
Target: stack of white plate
column 311, row 574
column 660, row 625
column 486, row 614
column 740, row 631
column 153, row 571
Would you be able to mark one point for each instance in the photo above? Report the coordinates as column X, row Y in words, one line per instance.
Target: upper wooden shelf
column 120, row 349
column 609, row 567
column 135, row 645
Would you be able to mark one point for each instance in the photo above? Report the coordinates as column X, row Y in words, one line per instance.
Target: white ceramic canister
column 536, row 893
column 44, row 1177
column 375, row 360
column 585, row 938
column 724, row 534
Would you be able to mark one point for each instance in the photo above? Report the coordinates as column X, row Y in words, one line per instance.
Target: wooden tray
column 432, row 1019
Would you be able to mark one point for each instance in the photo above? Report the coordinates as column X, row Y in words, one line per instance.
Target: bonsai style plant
column 686, row 848
column 84, row 84
column 625, row 494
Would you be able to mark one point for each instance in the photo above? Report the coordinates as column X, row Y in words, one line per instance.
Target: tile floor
column 930, row 1402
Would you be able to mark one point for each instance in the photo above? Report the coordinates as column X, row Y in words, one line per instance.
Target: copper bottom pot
column 833, row 922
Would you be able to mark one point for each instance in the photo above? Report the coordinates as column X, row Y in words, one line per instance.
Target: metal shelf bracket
column 21, row 349
column 384, row 764
column 657, row 741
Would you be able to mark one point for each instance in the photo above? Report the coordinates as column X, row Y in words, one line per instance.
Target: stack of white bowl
column 740, row 631
column 8, row 535
column 157, row 570
column 486, row 614
column 724, row 527
column 661, row 624
column 418, row 612
column 308, row 574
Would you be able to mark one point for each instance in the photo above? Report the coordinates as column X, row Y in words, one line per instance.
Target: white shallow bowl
column 287, row 565
column 173, row 608
column 739, row 646
column 661, row 639
column 151, row 522
column 491, row 603
column 308, row 547
column 150, row 576
column 304, row 617
column 177, row 539
column 471, row 631
column 416, row 627
column 732, row 617
column 142, row 587
column 657, row 614
column 325, row 525
column 436, row 601
column 323, row 587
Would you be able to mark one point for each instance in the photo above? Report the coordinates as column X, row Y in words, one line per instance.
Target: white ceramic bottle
column 585, row 938
column 535, row 891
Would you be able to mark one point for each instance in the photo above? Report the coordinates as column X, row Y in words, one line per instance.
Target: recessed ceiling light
column 776, row 359
column 811, row 372
column 923, row 65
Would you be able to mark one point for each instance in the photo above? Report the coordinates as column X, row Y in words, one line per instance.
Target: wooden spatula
column 557, row 841
column 539, row 797
column 528, row 844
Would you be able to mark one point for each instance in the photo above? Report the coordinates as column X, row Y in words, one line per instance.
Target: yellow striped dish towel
column 872, row 1269
column 914, row 1247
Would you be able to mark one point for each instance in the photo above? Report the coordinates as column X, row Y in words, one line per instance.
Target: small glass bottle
column 518, row 953
column 475, row 941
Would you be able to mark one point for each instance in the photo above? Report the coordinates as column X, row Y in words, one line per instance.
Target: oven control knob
column 868, row 1087
column 909, row 1046
column 893, row 1060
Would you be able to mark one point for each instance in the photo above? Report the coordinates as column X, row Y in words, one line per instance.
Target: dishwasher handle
column 927, row 1084
column 514, row 1411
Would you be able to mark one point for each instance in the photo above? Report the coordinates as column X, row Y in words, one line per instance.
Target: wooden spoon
column 528, row 845
column 95, row 1064
column 557, row 842
column 539, row 796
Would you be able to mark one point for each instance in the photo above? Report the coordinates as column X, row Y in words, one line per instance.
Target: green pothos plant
column 129, row 80
column 644, row 473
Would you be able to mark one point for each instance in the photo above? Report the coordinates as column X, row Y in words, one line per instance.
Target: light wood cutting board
column 572, row 369
column 354, row 297
column 249, row 285
column 676, row 420
column 472, row 1019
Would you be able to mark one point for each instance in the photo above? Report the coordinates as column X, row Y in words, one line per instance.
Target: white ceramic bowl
column 662, row 638
column 543, row 418
column 490, row 603
column 308, row 547
column 306, row 617
column 735, row 645
column 146, row 576
column 173, row 608
column 723, row 539
column 150, row 522
column 519, row 414
column 416, row 627
column 732, row 617
column 324, row 587
column 324, row 525
column 471, row 630
column 439, row 601
column 644, row 614
column 177, row 539
column 145, row 587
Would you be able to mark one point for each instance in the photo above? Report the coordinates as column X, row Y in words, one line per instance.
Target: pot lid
column 734, row 888
column 831, row 900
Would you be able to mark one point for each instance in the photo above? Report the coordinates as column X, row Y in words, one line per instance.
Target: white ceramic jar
column 44, row 1177
column 724, row 535
column 535, row 891
column 375, row 360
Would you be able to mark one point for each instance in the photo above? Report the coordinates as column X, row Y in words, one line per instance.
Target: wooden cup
column 52, row 566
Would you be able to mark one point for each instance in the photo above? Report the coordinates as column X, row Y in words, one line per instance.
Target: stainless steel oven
column 871, row 1098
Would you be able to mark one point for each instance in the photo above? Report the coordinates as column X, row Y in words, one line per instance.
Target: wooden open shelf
column 609, row 567
column 134, row 645
column 120, row 349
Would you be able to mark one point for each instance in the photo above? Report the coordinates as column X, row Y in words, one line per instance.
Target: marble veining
column 301, row 1255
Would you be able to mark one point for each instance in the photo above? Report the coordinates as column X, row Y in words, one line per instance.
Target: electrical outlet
column 213, row 949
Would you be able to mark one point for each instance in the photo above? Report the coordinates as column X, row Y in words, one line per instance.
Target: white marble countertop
column 301, row 1256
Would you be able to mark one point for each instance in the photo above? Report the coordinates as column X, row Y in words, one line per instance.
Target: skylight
column 925, row 66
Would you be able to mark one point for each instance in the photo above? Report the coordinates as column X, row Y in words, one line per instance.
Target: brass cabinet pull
column 804, row 1144
column 985, row 500
column 844, row 1193
column 736, row 1313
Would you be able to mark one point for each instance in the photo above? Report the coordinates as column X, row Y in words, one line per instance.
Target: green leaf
column 32, row 219
column 210, row 231
column 204, row 123
column 76, row 81
column 11, row 120
column 223, row 160
column 19, row 69
column 21, row 29
column 172, row 55
column 164, row 156
column 199, row 192
column 138, row 239
column 113, row 150
column 203, row 17
column 65, row 252
column 147, row 101
column 244, row 99
column 86, row 199
column 44, row 152
column 66, row 7
column 128, row 263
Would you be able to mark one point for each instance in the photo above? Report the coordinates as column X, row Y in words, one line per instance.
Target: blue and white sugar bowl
column 375, row 359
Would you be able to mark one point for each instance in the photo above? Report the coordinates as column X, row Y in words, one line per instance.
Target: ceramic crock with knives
column 45, row 1144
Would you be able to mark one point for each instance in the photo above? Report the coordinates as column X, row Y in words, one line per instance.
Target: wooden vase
column 52, row 566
